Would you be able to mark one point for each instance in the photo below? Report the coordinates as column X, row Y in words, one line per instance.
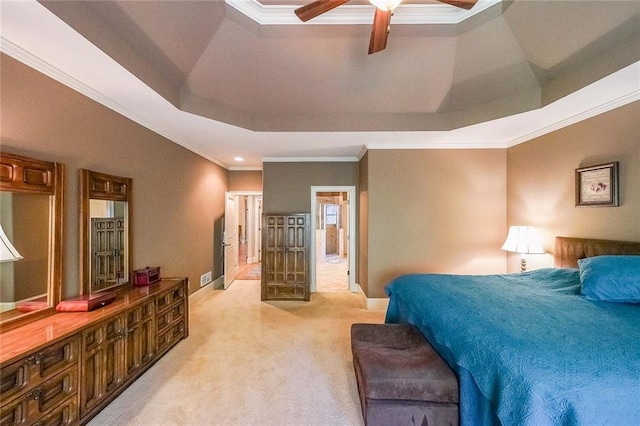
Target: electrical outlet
column 205, row 279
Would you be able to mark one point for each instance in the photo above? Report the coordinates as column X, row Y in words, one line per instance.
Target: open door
column 230, row 239
column 333, row 215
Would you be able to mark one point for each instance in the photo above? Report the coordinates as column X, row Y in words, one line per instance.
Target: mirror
column 31, row 198
column 105, row 234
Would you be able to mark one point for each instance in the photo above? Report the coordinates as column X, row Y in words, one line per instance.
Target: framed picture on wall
column 597, row 185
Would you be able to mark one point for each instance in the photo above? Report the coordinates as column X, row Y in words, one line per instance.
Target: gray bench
column 401, row 379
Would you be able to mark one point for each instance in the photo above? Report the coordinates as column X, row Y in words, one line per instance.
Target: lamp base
column 523, row 264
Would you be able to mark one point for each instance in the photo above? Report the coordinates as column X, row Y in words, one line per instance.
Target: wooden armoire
column 286, row 256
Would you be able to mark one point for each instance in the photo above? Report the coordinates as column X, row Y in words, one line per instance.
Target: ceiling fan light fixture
column 386, row 5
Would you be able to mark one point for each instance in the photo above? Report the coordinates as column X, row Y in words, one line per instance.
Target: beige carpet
column 248, row 362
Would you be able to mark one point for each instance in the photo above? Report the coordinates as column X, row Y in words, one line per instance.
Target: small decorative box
column 86, row 302
column 146, row 276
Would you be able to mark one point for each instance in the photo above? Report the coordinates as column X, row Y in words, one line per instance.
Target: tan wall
column 245, row 180
column 434, row 211
column 363, row 225
column 541, row 184
column 287, row 186
column 177, row 195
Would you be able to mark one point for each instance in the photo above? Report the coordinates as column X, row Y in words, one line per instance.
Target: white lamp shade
column 523, row 239
column 8, row 252
column 386, row 5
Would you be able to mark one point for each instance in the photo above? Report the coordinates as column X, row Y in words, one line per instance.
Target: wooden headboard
column 569, row 250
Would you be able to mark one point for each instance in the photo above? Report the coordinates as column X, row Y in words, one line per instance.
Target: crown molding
column 409, row 14
column 245, row 169
column 310, row 159
column 584, row 115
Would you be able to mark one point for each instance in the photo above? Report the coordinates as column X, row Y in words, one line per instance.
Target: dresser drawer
column 168, row 298
column 170, row 336
column 64, row 414
column 44, row 399
column 169, row 316
column 31, row 370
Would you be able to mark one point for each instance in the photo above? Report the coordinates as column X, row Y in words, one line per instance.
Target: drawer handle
column 35, row 359
column 175, row 293
column 34, row 394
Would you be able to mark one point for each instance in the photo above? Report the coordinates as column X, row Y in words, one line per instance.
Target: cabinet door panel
column 286, row 257
column 114, row 365
column 103, row 362
column 91, row 381
column 140, row 336
column 147, row 341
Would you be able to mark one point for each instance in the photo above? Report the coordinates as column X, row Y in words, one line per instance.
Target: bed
column 540, row 347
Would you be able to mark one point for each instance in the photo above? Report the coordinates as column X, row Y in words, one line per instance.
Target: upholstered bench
column 401, row 379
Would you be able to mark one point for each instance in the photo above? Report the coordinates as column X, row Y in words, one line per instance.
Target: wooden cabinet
column 103, row 350
column 140, row 344
column 42, row 387
column 285, row 270
column 63, row 369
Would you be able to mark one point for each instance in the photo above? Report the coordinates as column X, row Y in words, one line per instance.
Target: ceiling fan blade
column 379, row 31
column 464, row 4
column 316, row 8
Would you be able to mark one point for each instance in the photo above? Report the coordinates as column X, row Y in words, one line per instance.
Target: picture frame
column 597, row 185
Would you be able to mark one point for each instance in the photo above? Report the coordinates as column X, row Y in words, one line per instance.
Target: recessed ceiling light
column 238, row 158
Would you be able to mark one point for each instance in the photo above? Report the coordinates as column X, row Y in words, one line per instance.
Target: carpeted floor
column 248, row 362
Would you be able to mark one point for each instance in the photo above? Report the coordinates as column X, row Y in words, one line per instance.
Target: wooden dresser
column 63, row 369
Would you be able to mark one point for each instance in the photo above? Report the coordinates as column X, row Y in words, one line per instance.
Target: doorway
column 333, row 239
column 242, row 238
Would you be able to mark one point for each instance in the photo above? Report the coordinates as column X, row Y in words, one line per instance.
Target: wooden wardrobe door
column 285, row 270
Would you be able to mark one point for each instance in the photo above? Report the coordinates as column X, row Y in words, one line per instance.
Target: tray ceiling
column 311, row 91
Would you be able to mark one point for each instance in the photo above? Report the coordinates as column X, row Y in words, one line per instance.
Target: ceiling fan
column 381, row 20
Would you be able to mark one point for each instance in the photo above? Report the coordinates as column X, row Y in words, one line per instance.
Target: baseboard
column 200, row 293
column 7, row 306
column 373, row 303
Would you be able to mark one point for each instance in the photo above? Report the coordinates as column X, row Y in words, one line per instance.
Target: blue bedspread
column 527, row 347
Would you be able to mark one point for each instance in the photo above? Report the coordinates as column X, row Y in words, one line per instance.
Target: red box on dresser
column 146, row 276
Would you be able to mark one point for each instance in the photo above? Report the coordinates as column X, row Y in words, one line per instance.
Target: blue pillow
column 611, row 278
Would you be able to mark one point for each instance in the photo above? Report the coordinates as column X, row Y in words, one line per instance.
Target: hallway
column 331, row 274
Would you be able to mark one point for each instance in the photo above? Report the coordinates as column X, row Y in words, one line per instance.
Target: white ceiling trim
column 411, row 14
column 310, row 159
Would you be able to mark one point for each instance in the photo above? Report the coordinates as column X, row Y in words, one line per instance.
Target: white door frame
column 257, row 224
column 257, row 234
column 351, row 236
column 230, row 240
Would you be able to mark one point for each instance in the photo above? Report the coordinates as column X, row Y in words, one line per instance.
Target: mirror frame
column 101, row 186
column 30, row 176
